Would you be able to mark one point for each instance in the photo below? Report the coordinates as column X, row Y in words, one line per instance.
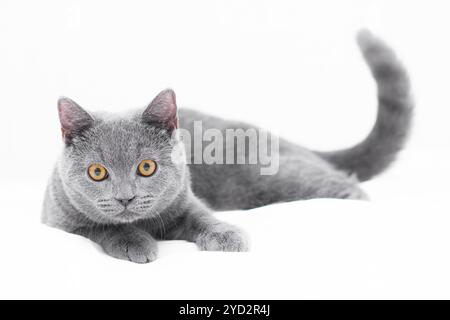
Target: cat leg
column 125, row 242
column 323, row 183
column 339, row 187
column 210, row 234
column 298, row 179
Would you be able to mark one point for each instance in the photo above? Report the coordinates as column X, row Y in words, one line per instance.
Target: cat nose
column 125, row 201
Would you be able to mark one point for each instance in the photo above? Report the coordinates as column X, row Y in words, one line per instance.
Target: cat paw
column 135, row 248
column 223, row 237
column 353, row 194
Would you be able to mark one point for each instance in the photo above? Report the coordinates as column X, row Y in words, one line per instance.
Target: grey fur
column 175, row 202
column 395, row 107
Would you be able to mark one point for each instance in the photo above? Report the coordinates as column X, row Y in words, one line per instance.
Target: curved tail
column 395, row 106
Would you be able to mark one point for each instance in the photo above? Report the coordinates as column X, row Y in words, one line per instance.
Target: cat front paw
column 138, row 248
column 223, row 237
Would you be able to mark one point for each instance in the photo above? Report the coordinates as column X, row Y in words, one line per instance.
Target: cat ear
column 73, row 119
column 162, row 111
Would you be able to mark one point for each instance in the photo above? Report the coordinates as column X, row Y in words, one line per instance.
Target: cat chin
column 123, row 217
column 126, row 216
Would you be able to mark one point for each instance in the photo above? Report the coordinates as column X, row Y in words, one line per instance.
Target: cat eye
column 97, row 172
column 146, row 168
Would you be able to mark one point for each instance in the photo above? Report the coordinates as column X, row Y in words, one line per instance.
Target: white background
column 291, row 66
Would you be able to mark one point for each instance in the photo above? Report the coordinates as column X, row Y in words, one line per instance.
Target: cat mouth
column 126, row 214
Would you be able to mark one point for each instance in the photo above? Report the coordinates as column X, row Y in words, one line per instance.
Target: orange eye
column 146, row 168
column 97, row 172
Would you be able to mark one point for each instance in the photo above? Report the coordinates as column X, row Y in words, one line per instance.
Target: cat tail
column 395, row 110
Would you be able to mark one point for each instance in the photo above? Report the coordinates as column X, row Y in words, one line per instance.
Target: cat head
column 120, row 169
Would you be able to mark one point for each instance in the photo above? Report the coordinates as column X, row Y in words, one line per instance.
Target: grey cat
column 116, row 184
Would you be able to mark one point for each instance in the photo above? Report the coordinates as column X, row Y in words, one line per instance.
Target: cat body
column 117, row 183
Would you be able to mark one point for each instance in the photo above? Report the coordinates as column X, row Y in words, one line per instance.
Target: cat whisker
column 142, row 207
column 105, row 205
column 146, row 202
column 162, row 225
